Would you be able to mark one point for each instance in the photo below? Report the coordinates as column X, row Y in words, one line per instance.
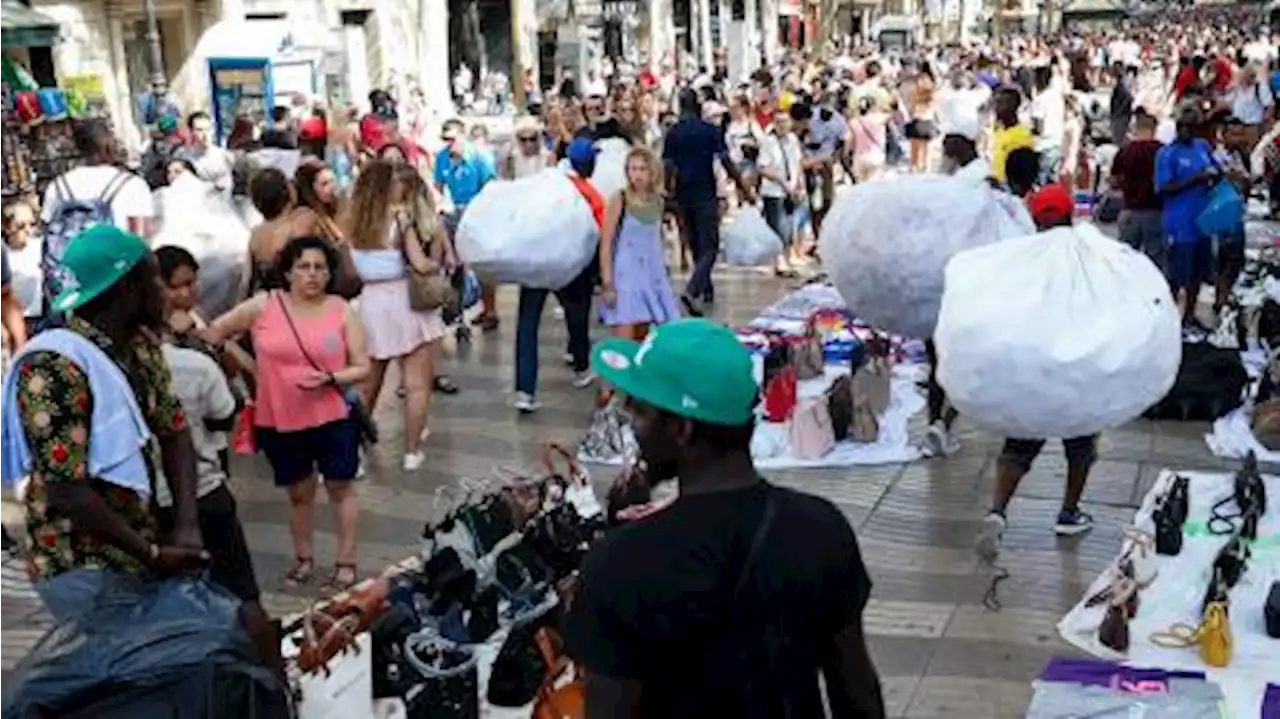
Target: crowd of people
column 114, row 349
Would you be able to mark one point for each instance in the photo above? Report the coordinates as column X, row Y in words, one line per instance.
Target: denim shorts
column 331, row 450
column 1190, row 263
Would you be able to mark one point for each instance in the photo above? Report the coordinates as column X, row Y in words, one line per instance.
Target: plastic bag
column 162, row 649
column 610, row 175
column 536, row 232
column 749, row 241
column 1224, row 213
column 887, row 243
column 1060, row 334
column 244, row 441
column 197, row 217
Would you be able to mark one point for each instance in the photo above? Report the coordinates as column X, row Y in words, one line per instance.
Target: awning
column 20, row 26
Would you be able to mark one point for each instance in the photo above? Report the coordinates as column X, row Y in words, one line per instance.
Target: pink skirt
column 391, row 329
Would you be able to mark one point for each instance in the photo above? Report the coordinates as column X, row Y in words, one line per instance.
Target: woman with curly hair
column 391, row 235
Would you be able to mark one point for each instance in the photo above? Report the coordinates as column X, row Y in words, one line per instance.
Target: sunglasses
column 448, row 138
column 527, row 138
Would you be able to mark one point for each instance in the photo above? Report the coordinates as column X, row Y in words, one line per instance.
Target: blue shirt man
column 461, row 168
column 1185, row 173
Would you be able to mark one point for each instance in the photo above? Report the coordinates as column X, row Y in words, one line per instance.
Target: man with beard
column 731, row 600
column 89, row 415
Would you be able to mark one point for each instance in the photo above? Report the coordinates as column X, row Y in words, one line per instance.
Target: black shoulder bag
column 357, row 412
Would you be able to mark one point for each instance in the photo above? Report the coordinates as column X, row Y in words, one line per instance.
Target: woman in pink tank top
column 309, row 345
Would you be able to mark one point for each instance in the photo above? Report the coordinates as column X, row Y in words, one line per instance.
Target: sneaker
column 583, row 379
column 413, row 461
column 568, row 359
column 1072, row 522
column 987, row 545
column 527, row 403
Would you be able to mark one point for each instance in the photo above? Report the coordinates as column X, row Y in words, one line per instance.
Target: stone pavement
column 939, row 652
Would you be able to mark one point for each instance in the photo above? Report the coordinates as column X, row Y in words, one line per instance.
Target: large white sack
column 610, row 175
column 1059, row 334
column 748, row 239
column 196, row 216
column 887, row 242
column 537, row 231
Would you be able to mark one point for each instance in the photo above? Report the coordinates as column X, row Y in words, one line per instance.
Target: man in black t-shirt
column 731, row 600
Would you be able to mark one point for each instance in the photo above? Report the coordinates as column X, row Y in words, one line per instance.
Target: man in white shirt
column 1252, row 103
column 1049, row 120
column 102, row 177
column 213, row 164
column 781, row 184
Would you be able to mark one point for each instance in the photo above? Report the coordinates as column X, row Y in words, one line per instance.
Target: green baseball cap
column 693, row 368
column 96, row 259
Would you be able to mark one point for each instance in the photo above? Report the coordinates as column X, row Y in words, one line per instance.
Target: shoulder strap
column 64, row 189
column 114, row 187
column 296, row 337
column 757, row 542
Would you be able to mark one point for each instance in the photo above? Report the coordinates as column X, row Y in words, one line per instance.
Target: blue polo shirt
column 1176, row 162
column 693, row 145
column 464, row 177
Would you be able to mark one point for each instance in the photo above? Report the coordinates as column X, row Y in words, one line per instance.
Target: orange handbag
column 567, row 700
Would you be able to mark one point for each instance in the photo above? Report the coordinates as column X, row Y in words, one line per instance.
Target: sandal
column 444, row 385
column 344, row 577
column 303, row 569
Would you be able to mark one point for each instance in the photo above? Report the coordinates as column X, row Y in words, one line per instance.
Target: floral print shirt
column 56, row 406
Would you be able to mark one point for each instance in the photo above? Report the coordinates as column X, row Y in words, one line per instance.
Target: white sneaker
column 987, row 545
column 527, row 403
column 583, row 379
column 568, row 358
column 413, row 461
column 938, row 442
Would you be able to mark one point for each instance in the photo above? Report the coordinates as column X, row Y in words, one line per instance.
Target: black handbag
column 356, row 411
column 520, row 667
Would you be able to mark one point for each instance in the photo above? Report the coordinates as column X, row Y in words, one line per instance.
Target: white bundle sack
column 748, row 239
column 197, row 217
column 887, row 242
column 610, row 175
column 1060, row 334
column 537, row 231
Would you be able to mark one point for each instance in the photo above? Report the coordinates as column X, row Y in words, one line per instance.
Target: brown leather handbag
column 1266, row 423
column 807, row 353
column 557, row 698
column 427, row 290
column 323, row 638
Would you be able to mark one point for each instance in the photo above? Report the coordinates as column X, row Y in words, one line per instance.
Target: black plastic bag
column 1209, row 385
column 172, row 648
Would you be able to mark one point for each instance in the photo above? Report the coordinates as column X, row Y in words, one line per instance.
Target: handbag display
column 356, row 411
column 780, row 395
column 811, row 432
column 807, row 353
column 557, row 698
column 609, row 436
column 450, row 687
column 840, row 407
column 871, row 388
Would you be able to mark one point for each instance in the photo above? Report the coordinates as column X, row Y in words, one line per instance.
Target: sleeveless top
column 281, row 403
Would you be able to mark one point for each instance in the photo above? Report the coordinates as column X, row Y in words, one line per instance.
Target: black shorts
column 1021, row 453
column 231, row 564
column 1230, row 259
column 920, row 130
column 331, row 450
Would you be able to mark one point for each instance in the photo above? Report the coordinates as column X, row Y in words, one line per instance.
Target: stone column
column 703, row 21
column 769, row 29
column 661, row 32
column 433, row 56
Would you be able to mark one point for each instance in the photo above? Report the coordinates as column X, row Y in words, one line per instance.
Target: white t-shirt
column 202, row 389
column 961, row 108
column 1050, row 108
column 89, row 183
column 1249, row 104
column 28, row 277
column 1260, row 51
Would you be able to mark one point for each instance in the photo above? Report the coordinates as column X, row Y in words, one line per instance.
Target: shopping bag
column 245, row 440
column 343, row 688
column 610, row 173
column 811, row 433
column 1061, row 334
column 536, row 232
column 1224, row 213
column 749, row 241
column 886, row 243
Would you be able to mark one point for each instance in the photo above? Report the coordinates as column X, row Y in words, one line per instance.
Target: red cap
column 313, row 128
column 1051, row 204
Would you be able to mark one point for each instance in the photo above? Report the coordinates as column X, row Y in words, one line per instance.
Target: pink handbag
column 812, row 435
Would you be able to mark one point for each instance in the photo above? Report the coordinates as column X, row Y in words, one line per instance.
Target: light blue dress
column 644, row 294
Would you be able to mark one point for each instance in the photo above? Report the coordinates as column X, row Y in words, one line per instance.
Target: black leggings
column 939, row 408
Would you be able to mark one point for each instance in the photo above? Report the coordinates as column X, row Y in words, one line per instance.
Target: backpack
column 1209, row 385
column 71, row 217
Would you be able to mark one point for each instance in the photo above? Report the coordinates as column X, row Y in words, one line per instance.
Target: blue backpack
column 72, row 216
